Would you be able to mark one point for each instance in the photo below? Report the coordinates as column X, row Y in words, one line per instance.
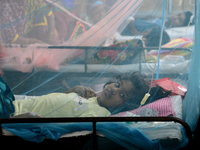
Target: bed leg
column 95, row 146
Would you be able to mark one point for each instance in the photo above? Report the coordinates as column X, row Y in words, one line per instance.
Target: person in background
column 142, row 25
column 96, row 12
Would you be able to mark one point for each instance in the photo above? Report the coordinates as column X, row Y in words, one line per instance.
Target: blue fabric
column 6, row 99
column 121, row 133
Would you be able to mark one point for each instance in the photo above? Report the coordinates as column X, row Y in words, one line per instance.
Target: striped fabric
column 175, row 43
column 162, row 107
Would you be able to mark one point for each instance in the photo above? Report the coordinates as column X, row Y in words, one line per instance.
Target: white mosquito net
column 113, row 58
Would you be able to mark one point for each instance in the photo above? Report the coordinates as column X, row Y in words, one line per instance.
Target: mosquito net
column 88, row 58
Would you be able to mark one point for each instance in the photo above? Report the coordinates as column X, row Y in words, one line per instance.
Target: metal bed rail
column 139, row 49
column 87, row 48
column 94, row 120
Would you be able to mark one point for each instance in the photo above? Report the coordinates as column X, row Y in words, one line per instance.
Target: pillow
column 161, row 107
column 175, row 43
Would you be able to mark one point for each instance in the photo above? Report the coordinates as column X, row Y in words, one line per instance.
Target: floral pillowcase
column 161, row 107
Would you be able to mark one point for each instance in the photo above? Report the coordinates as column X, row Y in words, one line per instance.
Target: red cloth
column 169, row 85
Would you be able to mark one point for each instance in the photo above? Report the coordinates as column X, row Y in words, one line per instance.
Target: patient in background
column 142, row 25
column 94, row 12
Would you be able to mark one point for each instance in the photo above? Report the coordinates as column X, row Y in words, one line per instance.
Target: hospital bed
column 169, row 129
column 166, row 130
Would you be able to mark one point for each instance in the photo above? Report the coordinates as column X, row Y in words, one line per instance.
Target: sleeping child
column 123, row 93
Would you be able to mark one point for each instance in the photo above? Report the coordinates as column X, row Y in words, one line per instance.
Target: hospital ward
column 100, row 75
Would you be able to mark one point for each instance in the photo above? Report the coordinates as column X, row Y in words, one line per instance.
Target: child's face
column 115, row 94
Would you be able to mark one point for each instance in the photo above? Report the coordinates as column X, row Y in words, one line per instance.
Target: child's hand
column 85, row 92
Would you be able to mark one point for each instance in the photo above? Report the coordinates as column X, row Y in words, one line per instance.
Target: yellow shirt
column 61, row 105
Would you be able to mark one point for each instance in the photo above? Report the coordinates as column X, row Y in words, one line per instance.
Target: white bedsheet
column 186, row 32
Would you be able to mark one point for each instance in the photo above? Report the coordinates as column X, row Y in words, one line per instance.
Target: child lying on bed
column 124, row 93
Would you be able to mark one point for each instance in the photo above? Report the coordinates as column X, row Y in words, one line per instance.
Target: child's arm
column 85, row 92
column 27, row 115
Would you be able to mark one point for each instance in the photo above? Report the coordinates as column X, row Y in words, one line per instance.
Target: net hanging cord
column 160, row 41
column 161, row 34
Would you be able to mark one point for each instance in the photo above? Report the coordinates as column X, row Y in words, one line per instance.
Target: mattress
column 165, row 68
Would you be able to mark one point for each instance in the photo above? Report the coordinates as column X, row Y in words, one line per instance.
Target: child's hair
column 141, row 87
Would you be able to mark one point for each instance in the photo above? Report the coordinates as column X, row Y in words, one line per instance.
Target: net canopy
column 88, row 58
